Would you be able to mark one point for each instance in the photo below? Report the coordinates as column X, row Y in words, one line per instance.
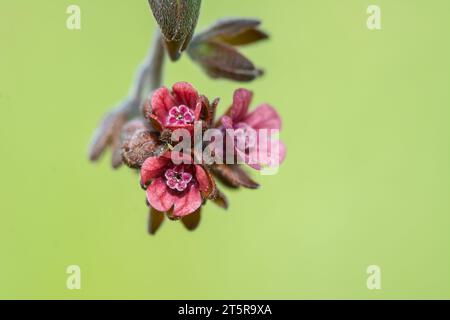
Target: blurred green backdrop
column 366, row 180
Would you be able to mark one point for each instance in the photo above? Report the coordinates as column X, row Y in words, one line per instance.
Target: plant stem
column 148, row 78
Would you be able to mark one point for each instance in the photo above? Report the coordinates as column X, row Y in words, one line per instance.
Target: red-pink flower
column 174, row 110
column 257, row 153
column 175, row 189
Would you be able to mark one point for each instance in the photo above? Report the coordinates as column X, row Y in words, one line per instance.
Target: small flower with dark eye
column 175, row 109
column 214, row 49
column 180, row 115
column 176, row 189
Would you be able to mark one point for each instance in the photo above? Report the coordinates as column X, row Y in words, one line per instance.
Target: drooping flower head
column 179, row 189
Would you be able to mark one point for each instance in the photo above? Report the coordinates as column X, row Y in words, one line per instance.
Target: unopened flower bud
column 214, row 49
column 177, row 20
column 139, row 143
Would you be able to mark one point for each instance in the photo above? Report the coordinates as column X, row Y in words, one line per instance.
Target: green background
column 366, row 180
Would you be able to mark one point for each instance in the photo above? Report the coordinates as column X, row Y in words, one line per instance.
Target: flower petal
column 174, row 111
column 153, row 168
column 227, row 122
column 162, row 102
column 185, row 94
column 265, row 156
column 274, row 160
column 199, row 107
column 159, row 196
column 263, row 117
column 172, row 183
column 183, row 109
column 187, row 202
column 186, row 177
column 205, row 180
column 181, row 186
column 241, row 101
column 189, row 118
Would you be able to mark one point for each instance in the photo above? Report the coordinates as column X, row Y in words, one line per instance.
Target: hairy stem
column 149, row 76
column 147, row 79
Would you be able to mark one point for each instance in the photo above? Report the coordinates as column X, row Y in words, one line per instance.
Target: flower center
column 180, row 115
column 177, row 178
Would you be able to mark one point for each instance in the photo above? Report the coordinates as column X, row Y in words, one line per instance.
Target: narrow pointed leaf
column 221, row 60
column 247, row 37
column 234, row 176
column 221, row 199
column 155, row 220
column 236, row 31
column 192, row 221
column 177, row 20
